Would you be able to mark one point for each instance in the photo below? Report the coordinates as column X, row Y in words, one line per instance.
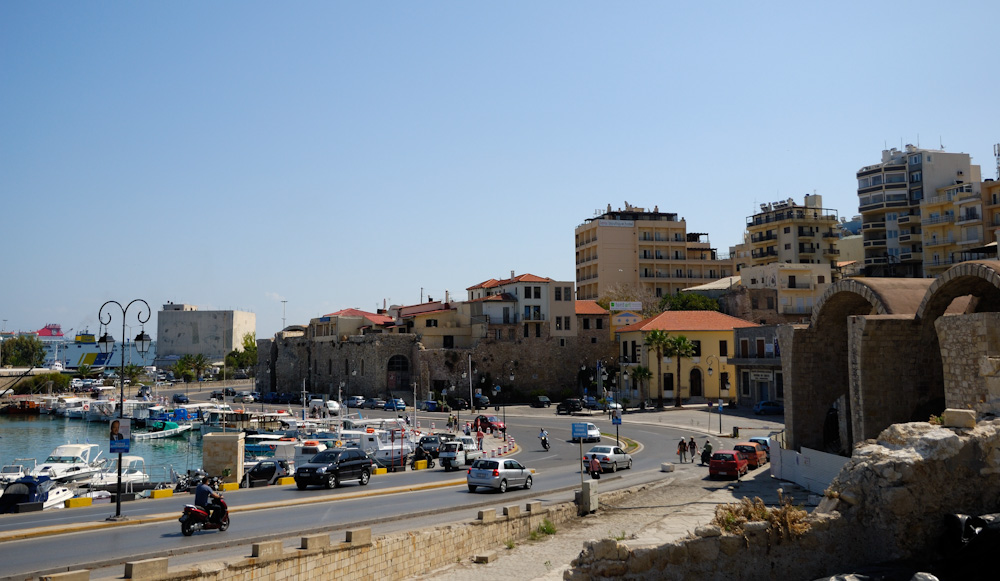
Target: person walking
column 682, row 450
column 595, row 467
column 692, row 449
column 706, row 453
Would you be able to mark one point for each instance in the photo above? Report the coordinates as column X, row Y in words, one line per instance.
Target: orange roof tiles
column 376, row 319
column 677, row 321
column 589, row 308
column 492, row 283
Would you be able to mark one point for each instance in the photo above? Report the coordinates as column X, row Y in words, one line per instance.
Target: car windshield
column 746, row 449
column 325, row 457
column 600, row 450
column 723, row 457
column 485, row 464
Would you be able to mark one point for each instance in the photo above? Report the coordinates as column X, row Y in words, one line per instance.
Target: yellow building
column 784, row 231
column 651, row 251
column 991, row 210
column 704, row 375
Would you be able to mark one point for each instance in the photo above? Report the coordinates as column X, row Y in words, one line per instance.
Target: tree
column 23, row 351
column 85, row 371
column 629, row 292
column 641, row 374
column 182, row 369
column 688, row 302
column 245, row 358
column 657, row 340
column 678, row 346
column 199, row 363
column 132, row 372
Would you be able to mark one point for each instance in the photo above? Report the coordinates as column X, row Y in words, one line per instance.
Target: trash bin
column 736, row 431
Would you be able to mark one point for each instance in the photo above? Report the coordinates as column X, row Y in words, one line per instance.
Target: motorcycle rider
column 204, row 497
column 544, row 437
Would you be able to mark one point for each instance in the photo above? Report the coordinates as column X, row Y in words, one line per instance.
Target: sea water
column 36, row 437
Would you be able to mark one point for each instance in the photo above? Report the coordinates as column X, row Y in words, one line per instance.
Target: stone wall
column 970, row 346
column 889, row 503
column 815, row 371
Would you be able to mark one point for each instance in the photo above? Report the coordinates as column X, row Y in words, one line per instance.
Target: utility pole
column 283, row 314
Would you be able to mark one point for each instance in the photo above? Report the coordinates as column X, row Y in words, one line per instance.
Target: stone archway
column 397, row 374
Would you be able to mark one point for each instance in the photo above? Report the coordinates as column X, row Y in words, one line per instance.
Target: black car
column 284, row 397
column 568, row 406
column 541, row 401
column 458, row 403
column 229, row 391
column 332, row 466
column 269, row 397
column 482, row 402
column 432, row 444
column 181, row 398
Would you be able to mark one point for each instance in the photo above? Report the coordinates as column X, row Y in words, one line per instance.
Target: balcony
column 877, row 243
column 971, row 241
column 796, row 310
column 947, row 219
column 968, row 217
column 873, row 226
column 933, row 242
column 913, row 255
column 831, row 252
column 936, row 200
column 807, row 249
column 532, row 317
column 785, row 285
column 763, row 253
column 759, row 238
column 587, row 241
column 905, row 237
column 908, row 219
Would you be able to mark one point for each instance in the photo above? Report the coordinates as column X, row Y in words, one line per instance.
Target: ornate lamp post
column 107, row 345
column 723, row 386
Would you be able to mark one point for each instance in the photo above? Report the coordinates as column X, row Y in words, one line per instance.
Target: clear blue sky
column 337, row 154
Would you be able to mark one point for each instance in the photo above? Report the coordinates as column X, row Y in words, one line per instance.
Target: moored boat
column 70, row 463
column 34, row 489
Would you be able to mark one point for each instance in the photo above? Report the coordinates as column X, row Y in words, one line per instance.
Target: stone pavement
column 663, row 511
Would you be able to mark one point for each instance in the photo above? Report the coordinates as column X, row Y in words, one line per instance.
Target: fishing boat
column 24, row 407
column 19, row 469
column 34, row 489
column 70, row 463
column 158, row 429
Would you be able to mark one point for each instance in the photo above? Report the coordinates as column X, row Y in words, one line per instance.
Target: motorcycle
column 195, row 518
column 545, row 443
column 428, row 457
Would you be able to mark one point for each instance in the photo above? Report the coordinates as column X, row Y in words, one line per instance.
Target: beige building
column 524, row 306
column 796, row 287
column 991, row 210
column 784, row 231
column 182, row 329
column 649, row 250
column 890, row 196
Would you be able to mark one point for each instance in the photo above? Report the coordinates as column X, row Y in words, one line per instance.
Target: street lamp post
column 713, row 360
column 107, row 344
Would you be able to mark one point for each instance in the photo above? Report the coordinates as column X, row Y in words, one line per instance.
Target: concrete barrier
column 78, row 502
column 267, row 549
column 162, row 493
column 146, row 568
column 286, row 480
column 230, row 486
column 81, row 575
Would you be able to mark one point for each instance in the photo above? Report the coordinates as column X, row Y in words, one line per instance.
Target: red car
column 491, row 422
column 728, row 463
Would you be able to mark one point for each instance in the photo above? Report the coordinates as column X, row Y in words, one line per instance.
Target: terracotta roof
column 376, row 319
column 421, row 313
column 589, row 308
column 492, row 283
column 502, row 297
column 679, row 321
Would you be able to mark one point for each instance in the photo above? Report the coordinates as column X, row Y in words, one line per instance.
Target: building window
column 697, row 348
column 562, row 342
column 567, row 293
column 559, row 323
column 600, row 323
column 723, row 349
column 586, row 324
column 538, row 292
column 526, row 330
column 745, row 384
column 788, row 229
column 527, row 292
column 510, row 333
column 788, row 246
column 770, row 303
column 820, row 279
column 558, row 293
column 593, row 339
column 498, row 334
column 916, row 176
column 538, row 330
column 431, row 323
column 914, row 159
column 449, row 341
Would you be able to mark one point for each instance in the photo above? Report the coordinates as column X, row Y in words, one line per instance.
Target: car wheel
column 365, row 477
column 472, row 488
column 332, row 481
column 527, row 483
column 503, row 486
column 614, row 467
column 301, row 485
column 629, row 465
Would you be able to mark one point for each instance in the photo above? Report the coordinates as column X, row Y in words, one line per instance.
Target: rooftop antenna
column 283, row 314
column 939, row 143
column 996, row 153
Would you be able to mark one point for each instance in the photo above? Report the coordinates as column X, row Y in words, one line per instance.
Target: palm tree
column 641, row 374
column 85, row 371
column 199, row 363
column 182, row 368
column 657, row 339
column 678, row 346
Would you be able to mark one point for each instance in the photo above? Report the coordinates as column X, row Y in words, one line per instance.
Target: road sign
column 579, row 430
column 616, row 417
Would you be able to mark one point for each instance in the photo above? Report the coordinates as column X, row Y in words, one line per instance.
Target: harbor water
column 36, row 437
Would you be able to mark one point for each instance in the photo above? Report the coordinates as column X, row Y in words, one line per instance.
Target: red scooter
column 195, row 518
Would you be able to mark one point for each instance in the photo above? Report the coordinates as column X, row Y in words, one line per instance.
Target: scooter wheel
column 187, row 530
column 224, row 524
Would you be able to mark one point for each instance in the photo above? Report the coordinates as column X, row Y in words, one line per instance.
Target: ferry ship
column 84, row 350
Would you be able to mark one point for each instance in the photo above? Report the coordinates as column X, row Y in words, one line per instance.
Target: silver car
column 611, row 457
column 498, row 473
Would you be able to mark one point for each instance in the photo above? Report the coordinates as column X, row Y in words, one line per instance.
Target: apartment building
column 649, row 250
column 991, row 210
column 524, row 306
column 791, row 289
column 784, row 231
column 890, row 197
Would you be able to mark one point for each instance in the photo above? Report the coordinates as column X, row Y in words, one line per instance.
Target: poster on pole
column 120, row 435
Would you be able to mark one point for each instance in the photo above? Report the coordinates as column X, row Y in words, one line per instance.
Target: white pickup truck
column 459, row 452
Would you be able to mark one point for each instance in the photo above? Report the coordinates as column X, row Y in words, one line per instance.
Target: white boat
column 71, row 463
column 19, row 469
column 66, row 404
column 133, row 473
column 34, row 489
column 160, row 429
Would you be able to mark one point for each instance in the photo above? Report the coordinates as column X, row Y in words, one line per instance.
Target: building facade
column 649, row 250
column 182, row 329
column 756, row 359
column 784, row 231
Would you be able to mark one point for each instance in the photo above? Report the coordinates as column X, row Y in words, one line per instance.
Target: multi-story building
column 757, row 360
column 533, row 306
column 890, row 196
column 184, row 330
column 651, row 251
column 790, row 290
column 784, row 231
column 991, row 210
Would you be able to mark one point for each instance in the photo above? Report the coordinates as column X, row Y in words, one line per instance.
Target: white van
column 332, row 407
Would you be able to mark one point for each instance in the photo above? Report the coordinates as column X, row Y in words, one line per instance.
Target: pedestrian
column 682, row 450
column 479, row 437
column 692, row 449
column 706, row 453
column 595, row 467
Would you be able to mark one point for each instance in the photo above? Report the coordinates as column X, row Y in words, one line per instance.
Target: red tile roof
column 589, row 308
column 375, row 319
column 502, row 297
column 491, row 283
column 678, row 321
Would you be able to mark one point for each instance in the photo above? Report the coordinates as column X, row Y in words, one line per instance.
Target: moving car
column 727, row 463
column 568, row 406
column 354, row 401
column 243, row 397
column 611, row 457
column 593, row 434
column 541, row 401
column 756, row 456
column 768, row 407
column 396, row 404
column 333, row 466
column 433, row 443
column 765, row 443
column 373, row 403
column 498, row 473
column 180, row 398
column 491, row 422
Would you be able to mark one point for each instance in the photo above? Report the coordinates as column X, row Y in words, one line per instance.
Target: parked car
column 756, row 456
column 593, row 434
column 765, row 443
column 270, row 397
column 491, row 422
column 243, row 397
column 181, row 398
column 592, row 403
column 354, row 401
column 482, row 402
column 333, row 466
column 497, row 473
column 267, row 471
column 285, row 397
column 217, row 394
column 768, row 407
column 458, row 403
column 541, row 401
column 395, row 404
column 229, row 391
column 568, row 406
column 374, row 403
column 331, row 406
column 432, row 444
column 728, row 463
column 611, row 457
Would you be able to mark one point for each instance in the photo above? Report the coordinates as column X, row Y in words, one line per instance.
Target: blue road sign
column 579, row 431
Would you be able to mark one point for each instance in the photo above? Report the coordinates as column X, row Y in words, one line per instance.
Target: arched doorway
column 397, row 375
column 694, row 378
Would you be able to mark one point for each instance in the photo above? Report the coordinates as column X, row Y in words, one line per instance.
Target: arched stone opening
column 397, row 374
